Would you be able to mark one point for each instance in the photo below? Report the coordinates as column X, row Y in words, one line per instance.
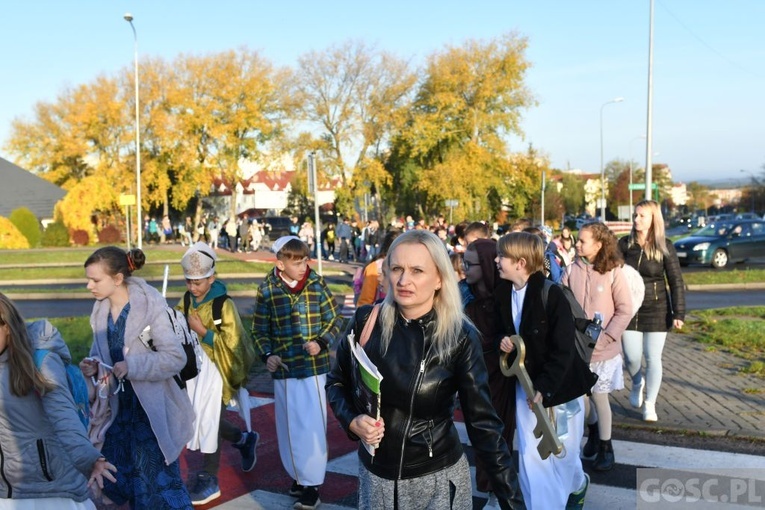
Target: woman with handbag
column 149, row 417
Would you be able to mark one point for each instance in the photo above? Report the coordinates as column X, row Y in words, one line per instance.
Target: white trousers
column 301, row 427
column 547, row 483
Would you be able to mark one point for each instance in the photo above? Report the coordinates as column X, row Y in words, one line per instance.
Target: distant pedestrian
column 344, row 233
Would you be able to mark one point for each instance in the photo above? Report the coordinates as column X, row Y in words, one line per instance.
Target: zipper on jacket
column 417, row 382
column 637, row 314
column 655, row 292
column 9, row 495
column 429, row 438
column 43, row 460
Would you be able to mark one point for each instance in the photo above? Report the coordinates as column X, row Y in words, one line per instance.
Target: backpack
column 188, row 340
column 358, row 282
column 585, row 342
column 217, row 307
column 77, row 386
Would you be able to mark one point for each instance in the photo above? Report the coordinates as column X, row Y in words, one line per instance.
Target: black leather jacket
column 418, row 402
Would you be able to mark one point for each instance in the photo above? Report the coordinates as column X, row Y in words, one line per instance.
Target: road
column 266, row 487
column 695, row 300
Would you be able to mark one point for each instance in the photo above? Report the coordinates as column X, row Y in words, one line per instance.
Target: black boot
column 593, row 442
column 605, row 459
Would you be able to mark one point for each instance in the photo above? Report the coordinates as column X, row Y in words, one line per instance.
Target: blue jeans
column 635, row 345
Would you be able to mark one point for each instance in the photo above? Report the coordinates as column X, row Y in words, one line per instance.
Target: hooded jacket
column 44, row 449
column 418, row 403
column 150, row 372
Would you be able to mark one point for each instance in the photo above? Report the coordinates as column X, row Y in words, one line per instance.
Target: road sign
column 641, row 185
column 127, row 199
column 451, row 203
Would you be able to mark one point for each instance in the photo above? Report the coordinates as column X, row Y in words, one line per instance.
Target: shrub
column 27, row 223
column 56, row 234
column 10, row 237
column 80, row 237
column 110, row 234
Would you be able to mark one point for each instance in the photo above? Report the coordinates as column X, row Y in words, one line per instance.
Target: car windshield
column 715, row 229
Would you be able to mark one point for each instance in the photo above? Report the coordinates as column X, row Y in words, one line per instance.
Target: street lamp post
column 640, row 137
column 139, row 224
column 603, row 168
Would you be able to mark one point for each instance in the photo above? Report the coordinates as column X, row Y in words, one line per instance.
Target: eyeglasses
column 467, row 265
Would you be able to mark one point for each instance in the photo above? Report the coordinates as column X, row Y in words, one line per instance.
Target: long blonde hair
column 655, row 242
column 24, row 376
column 447, row 302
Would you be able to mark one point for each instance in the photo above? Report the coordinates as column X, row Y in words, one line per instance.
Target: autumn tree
column 469, row 98
column 80, row 134
column 355, row 97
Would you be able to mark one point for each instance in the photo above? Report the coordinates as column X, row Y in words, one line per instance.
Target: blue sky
column 709, row 62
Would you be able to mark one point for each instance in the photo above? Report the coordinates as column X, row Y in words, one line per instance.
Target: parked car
column 276, row 226
column 722, row 242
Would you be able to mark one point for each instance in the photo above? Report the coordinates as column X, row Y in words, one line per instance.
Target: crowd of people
column 440, row 310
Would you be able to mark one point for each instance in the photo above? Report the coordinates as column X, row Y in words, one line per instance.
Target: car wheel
column 719, row 258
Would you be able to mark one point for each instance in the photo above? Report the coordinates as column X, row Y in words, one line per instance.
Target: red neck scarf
column 300, row 284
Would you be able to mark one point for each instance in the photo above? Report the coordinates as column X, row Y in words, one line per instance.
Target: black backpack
column 188, row 340
column 583, row 327
column 217, row 307
column 582, row 378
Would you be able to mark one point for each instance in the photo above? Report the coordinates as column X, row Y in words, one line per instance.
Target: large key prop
column 544, row 429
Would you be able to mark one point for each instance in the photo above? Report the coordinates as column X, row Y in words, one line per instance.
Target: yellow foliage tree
column 93, row 194
column 10, row 237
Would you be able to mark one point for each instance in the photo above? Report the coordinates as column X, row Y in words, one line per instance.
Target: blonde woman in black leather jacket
column 428, row 353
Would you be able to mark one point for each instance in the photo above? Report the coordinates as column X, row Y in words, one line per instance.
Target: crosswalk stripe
column 599, row 496
column 349, row 307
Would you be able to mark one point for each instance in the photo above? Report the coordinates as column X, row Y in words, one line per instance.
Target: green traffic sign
column 641, row 185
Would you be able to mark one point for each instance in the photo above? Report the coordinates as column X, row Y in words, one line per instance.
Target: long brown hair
column 24, row 376
column 609, row 256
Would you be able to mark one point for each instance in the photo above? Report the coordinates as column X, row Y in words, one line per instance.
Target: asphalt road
column 695, row 300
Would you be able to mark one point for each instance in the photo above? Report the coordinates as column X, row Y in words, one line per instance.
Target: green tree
column 28, row 224
column 572, row 193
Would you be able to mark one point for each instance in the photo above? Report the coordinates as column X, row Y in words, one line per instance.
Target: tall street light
column 139, row 224
column 640, row 137
column 603, row 168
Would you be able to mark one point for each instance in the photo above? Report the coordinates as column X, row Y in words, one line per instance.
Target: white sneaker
column 636, row 395
column 649, row 411
column 492, row 503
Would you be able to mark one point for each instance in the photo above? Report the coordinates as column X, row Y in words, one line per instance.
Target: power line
column 708, row 46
